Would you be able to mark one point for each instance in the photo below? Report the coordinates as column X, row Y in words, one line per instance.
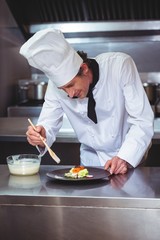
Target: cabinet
column 67, row 152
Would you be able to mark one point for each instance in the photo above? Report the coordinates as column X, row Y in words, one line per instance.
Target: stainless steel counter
column 124, row 207
column 14, row 129
column 13, row 141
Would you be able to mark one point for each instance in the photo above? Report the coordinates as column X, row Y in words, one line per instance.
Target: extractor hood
column 88, row 17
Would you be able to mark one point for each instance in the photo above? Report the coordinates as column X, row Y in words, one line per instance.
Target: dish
column 24, row 164
column 98, row 173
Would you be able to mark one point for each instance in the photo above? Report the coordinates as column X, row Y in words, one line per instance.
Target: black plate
column 98, row 173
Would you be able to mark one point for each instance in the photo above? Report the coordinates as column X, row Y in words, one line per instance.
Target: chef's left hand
column 116, row 166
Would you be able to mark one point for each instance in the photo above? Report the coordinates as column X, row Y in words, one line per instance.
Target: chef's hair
column 86, row 60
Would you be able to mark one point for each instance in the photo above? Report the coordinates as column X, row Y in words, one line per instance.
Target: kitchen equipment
column 32, row 89
column 52, row 154
column 24, row 164
column 157, row 103
column 150, row 89
column 36, row 89
column 22, row 90
column 23, row 111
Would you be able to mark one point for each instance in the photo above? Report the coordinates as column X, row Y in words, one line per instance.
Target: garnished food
column 78, row 172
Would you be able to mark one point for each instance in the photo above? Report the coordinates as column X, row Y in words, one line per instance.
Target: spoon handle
column 52, row 154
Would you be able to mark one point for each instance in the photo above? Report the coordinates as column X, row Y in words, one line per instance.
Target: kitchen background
column 94, row 26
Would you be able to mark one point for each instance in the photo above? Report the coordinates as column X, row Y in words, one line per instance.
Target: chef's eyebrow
column 67, row 85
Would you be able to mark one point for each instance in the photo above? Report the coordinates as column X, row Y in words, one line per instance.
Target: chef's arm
column 140, row 116
column 51, row 116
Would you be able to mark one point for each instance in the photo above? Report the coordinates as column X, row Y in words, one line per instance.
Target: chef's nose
column 70, row 93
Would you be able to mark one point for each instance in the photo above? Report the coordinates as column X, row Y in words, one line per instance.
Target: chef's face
column 79, row 85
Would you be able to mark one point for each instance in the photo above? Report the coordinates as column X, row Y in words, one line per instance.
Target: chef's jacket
column 125, row 117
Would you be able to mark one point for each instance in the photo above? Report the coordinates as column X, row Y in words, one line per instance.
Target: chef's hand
column 33, row 137
column 116, row 166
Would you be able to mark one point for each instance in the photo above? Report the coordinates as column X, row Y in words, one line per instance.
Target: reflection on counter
column 136, row 183
column 142, row 182
column 24, row 182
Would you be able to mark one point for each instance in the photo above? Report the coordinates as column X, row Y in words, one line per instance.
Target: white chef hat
column 48, row 51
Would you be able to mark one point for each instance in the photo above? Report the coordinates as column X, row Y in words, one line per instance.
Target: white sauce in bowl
column 24, row 167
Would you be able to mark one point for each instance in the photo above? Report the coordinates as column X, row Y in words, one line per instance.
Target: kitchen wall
column 145, row 52
column 12, row 65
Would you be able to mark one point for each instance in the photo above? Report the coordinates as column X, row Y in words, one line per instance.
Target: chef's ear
column 84, row 68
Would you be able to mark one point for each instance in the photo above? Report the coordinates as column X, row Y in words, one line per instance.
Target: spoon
column 52, row 154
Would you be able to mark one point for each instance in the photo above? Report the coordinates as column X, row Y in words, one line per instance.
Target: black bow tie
column 91, row 102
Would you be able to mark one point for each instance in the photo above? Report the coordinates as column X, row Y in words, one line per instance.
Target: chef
column 103, row 98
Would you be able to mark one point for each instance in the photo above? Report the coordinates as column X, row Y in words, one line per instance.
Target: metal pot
column 23, row 90
column 150, row 89
column 36, row 90
column 32, row 89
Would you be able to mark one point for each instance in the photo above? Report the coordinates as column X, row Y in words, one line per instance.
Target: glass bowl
column 24, row 164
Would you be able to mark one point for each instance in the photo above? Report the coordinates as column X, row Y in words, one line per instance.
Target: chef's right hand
column 33, row 137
